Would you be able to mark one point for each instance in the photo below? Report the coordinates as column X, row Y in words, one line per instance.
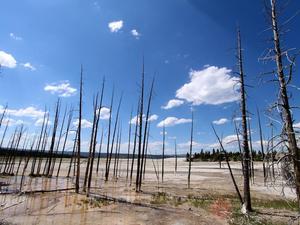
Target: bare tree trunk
column 175, row 146
column 262, row 147
column 55, row 125
column 65, row 140
column 145, row 135
column 134, row 143
column 113, row 140
column 108, row 136
column 191, row 151
column 140, row 132
column 163, row 156
column 99, row 153
column 128, row 149
column 285, row 105
column 246, row 155
column 229, row 167
column 251, row 152
column 79, row 134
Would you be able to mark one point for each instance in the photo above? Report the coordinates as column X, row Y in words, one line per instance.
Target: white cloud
column 229, row 141
column 297, row 125
column 115, row 26
column 104, row 113
column 151, row 118
column 12, row 122
column 15, row 37
column 84, row 123
column 212, row 86
column 28, row 66
column 63, row 89
column 7, row 60
column 135, row 33
column 173, row 103
column 221, row 121
column 39, row 122
column 172, row 121
column 24, row 112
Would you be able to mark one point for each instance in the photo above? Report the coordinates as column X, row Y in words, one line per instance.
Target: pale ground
column 65, row 207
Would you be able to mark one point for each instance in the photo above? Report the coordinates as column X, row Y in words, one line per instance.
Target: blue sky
column 43, row 44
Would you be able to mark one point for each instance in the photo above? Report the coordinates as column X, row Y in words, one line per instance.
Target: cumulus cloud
column 39, row 122
column 12, row 122
column 229, row 141
column 28, row 66
column 221, row 121
column 24, row 112
column 135, row 33
column 15, row 37
column 172, row 121
column 115, row 26
column 84, row 123
column 173, row 103
column 211, row 86
column 151, row 118
column 104, row 113
column 63, row 89
column 297, row 125
column 7, row 60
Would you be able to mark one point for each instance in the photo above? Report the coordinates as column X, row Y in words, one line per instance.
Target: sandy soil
column 66, row 207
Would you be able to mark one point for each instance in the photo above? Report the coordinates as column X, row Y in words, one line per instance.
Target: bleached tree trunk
column 79, row 134
column 284, row 100
column 245, row 142
column 191, row 152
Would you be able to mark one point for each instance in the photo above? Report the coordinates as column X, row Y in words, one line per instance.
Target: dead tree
column 128, row 148
column 98, row 115
column 87, row 169
column 191, row 151
column 58, row 142
column 163, row 155
column 65, row 140
column 99, row 151
column 251, row 151
column 284, row 103
column 79, row 134
column 108, row 135
column 140, row 136
column 229, row 167
column 262, row 147
column 145, row 136
column 134, row 143
column 246, row 155
column 52, row 145
column 175, row 147
column 113, row 140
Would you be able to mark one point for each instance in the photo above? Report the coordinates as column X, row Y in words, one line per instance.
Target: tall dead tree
column 113, row 139
column 163, row 155
column 65, row 140
column 108, row 135
column 284, row 103
column 134, row 142
column 262, row 147
column 144, row 146
column 128, row 148
column 191, row 151
column 140, row 136
column 55, row 125
column 79, row 134
column 98, row 113
column 175, row 148
column 229, row 167
column 245, row 142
